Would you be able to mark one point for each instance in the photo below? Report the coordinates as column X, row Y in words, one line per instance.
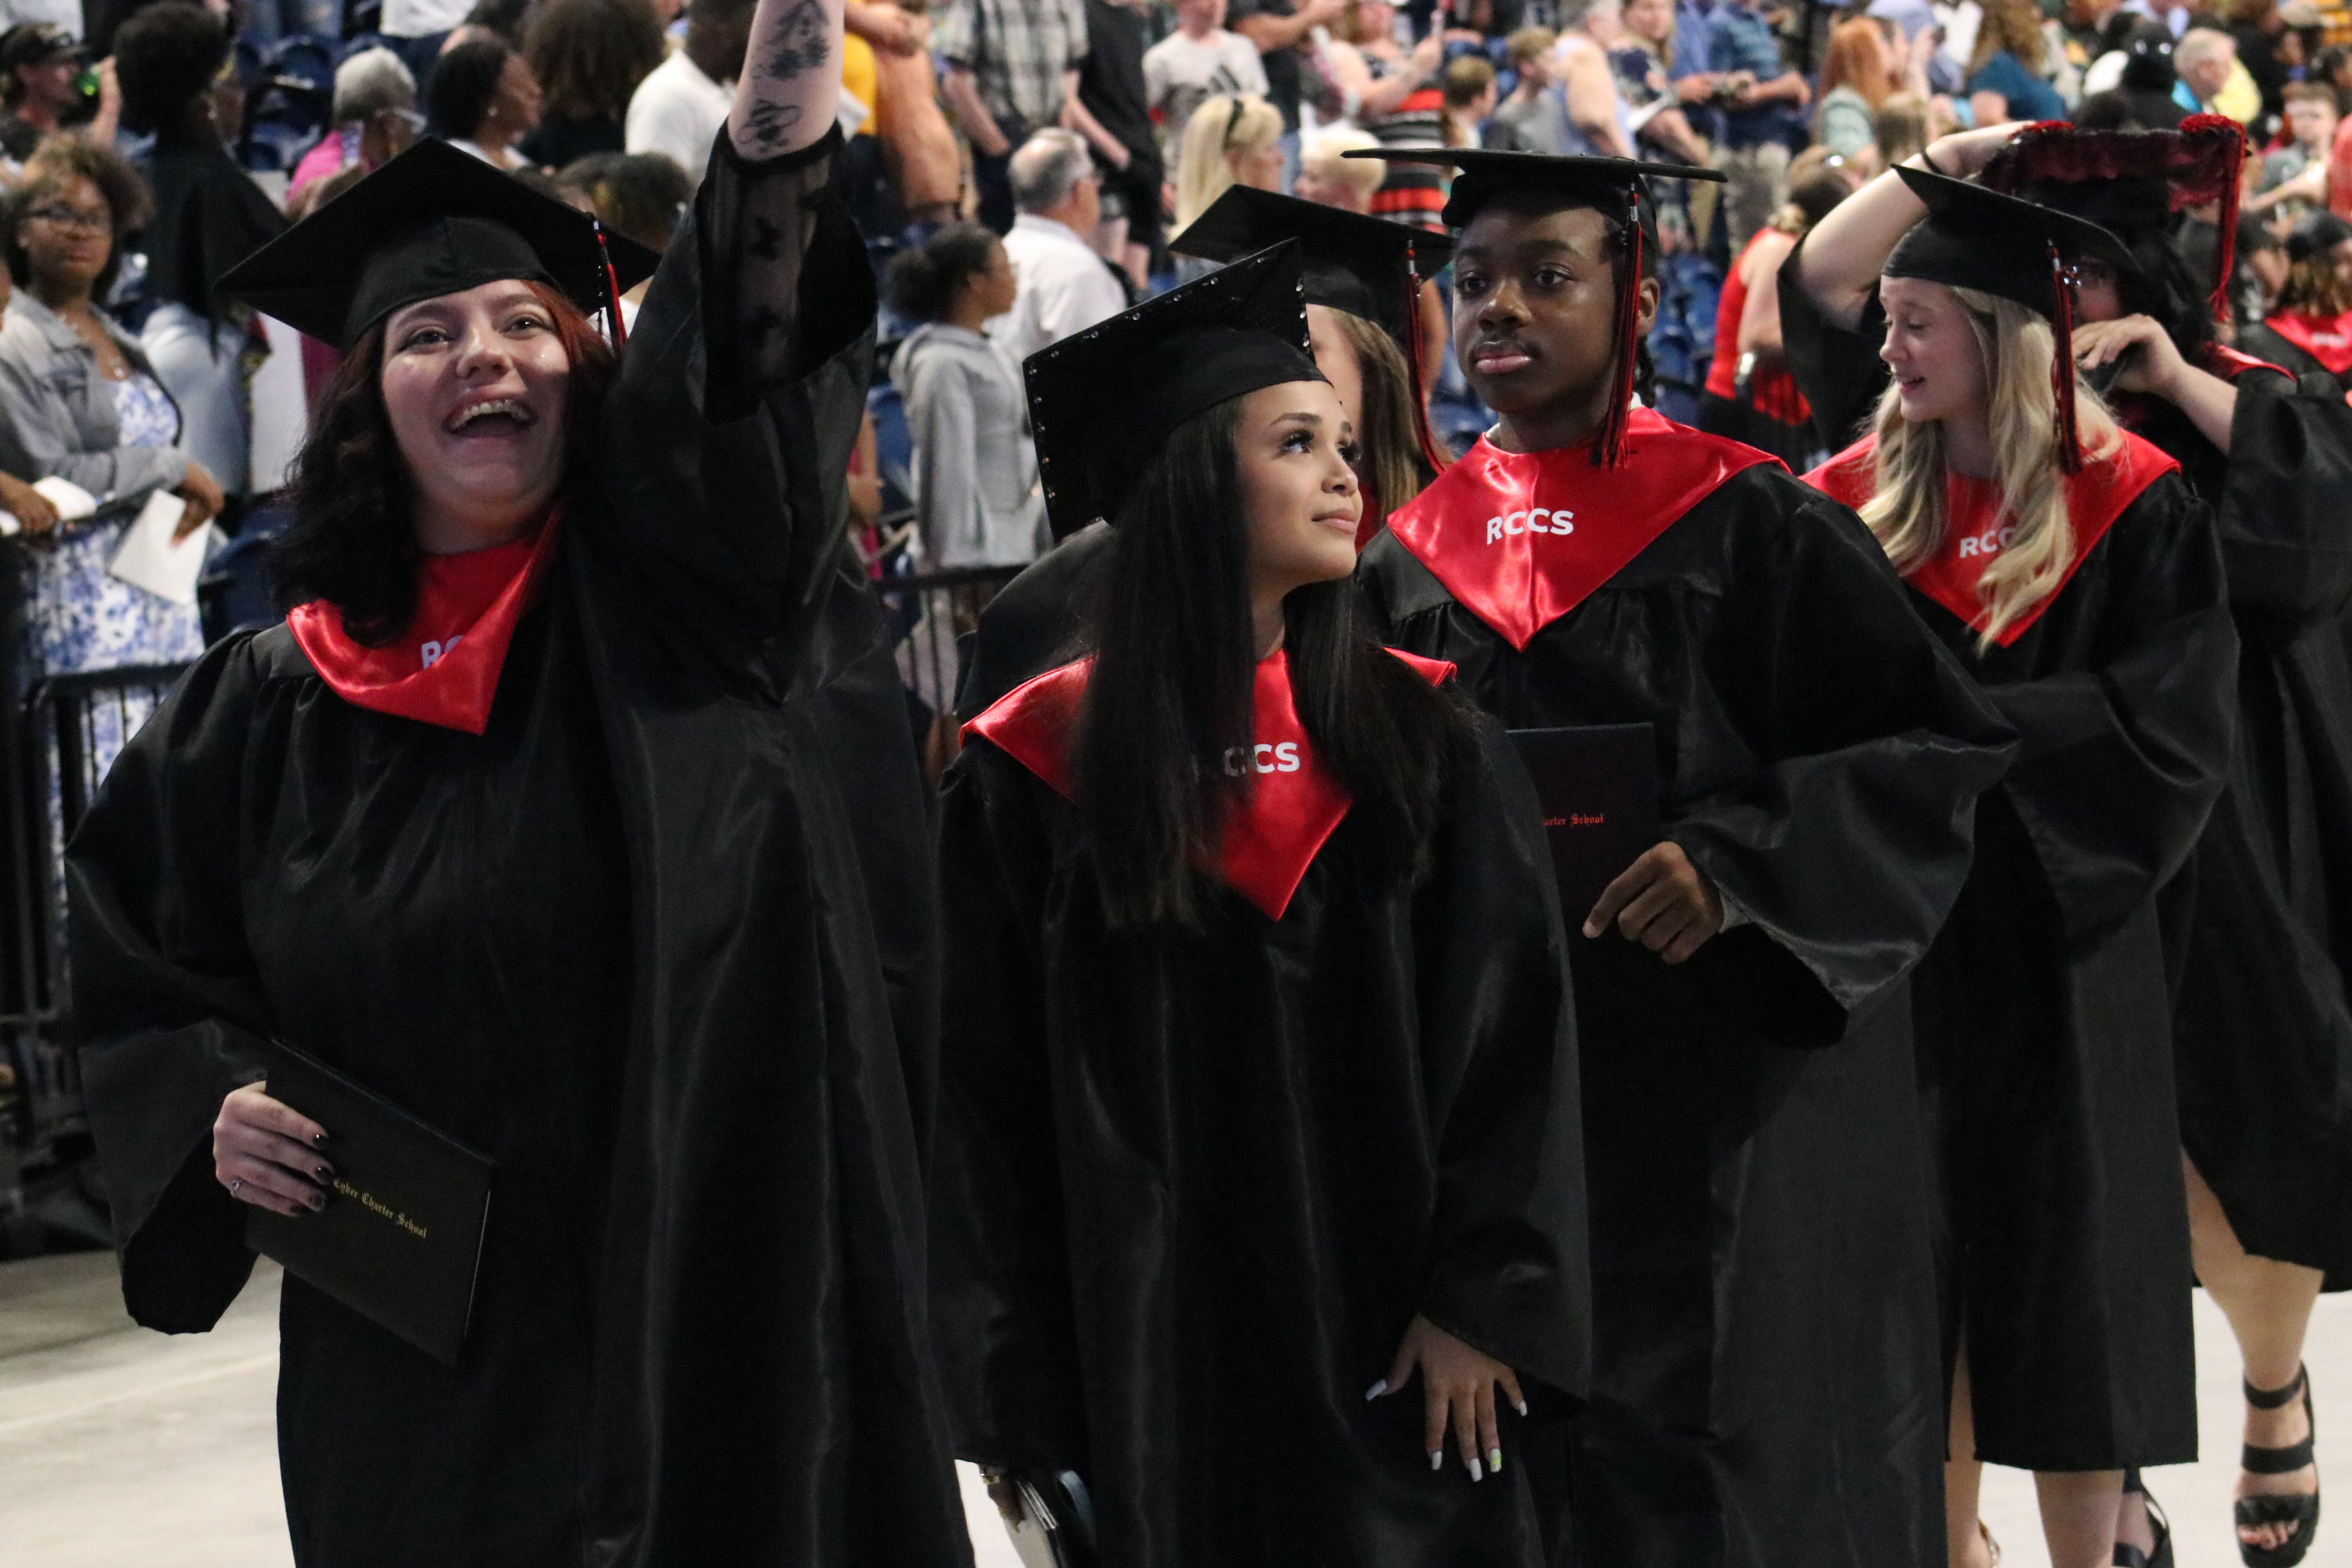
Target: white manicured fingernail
column 1495, row 1461
column 1522, row 1404
column 1437, row 1461
column 1377, row 1389
column 1475, row 1473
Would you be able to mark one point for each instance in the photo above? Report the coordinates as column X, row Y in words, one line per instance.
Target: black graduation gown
column 2041, row 1010
column 624, row 942
column 1033, row 623
column 1765, row 1379
column 209, row 216
column 2259, row 925
column 2264, row 343
column 1190, row 1189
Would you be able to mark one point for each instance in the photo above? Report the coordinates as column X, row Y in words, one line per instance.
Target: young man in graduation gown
column 1766, row 1367
column 1363, row 268
column 579, row 845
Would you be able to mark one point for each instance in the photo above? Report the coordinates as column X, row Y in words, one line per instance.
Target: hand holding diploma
column 267, row 1154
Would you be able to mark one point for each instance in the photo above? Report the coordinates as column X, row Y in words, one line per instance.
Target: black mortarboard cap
column 1101, row 402
column 1977, row 239
column 432, row 221
column 2014, row 249
column 1482, row 174
column 1364, row 265
column 1367, row 266
column 2315, row 235
column 2131, row 182
column 1616, row 186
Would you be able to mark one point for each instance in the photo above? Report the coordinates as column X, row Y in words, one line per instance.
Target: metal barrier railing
column 55, row 748
column 930, row 614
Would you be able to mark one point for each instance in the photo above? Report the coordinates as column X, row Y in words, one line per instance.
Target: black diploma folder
column 1598, row 785
column 400, row 1241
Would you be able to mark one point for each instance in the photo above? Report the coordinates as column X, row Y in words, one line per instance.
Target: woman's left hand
column 1457, row 1385
column 202, row 494
column 2155, row 369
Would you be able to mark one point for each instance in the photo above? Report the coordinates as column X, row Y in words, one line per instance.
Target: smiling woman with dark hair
column 1257, row 1077
column 572, row 809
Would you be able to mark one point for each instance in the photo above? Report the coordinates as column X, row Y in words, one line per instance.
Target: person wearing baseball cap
column 41, row 69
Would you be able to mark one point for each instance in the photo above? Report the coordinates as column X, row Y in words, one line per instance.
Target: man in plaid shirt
column 1012, row 67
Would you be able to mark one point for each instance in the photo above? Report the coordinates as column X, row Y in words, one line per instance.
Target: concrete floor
column 120, row 1449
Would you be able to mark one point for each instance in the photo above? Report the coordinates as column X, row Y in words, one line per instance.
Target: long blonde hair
column 1224, row 123
column 1906, row 509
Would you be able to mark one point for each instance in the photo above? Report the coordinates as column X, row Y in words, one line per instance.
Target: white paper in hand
column 149, row 560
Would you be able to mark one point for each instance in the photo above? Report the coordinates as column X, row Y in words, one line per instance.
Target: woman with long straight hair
column 572, row 811
column 2067, row 562
column 1364, row 321
column 1259, row 1081
column 2257, row 954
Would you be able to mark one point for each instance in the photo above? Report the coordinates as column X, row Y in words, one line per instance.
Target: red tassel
column 2061, row 363
column 1429, row 452
column 2225, row 261
column 1611, row 446
column 612, row 289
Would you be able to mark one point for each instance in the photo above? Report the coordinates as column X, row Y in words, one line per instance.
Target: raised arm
column 792, row 79
column 1838, row 265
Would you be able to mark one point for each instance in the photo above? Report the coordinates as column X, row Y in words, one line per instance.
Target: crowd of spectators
column 1018, row 168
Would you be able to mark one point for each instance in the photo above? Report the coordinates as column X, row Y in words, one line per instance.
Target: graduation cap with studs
column 432, row 221
column 2132, row 181
column 1367, row 267
column 2015, row 249
column 1102, row 402
column 1617, row 187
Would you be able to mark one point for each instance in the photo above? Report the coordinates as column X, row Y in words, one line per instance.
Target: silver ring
column 234, row 1186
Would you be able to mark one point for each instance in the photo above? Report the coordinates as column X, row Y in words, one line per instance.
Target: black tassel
column 612, row 289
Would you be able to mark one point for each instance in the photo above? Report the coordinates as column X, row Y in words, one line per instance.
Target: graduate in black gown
column 2081, row 577
column 1362, row 284
column 1765, row 1381
column 2255, row 943
column 1258, row 1073
column 567, row 812
column 2309, row 330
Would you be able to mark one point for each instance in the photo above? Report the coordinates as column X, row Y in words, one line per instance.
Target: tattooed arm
column 790, row 85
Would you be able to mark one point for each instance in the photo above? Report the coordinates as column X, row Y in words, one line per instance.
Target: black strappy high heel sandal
column 2130, row 1556
column 2300, row 1510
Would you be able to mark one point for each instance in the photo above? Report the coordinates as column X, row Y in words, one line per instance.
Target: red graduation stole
column 2329, row 342
column 1519, row 539
column 1973, row 536
column 443, row 668
column 1272, row 834
column 2229, row 364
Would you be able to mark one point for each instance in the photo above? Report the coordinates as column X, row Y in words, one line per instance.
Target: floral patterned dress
column 81, row 620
